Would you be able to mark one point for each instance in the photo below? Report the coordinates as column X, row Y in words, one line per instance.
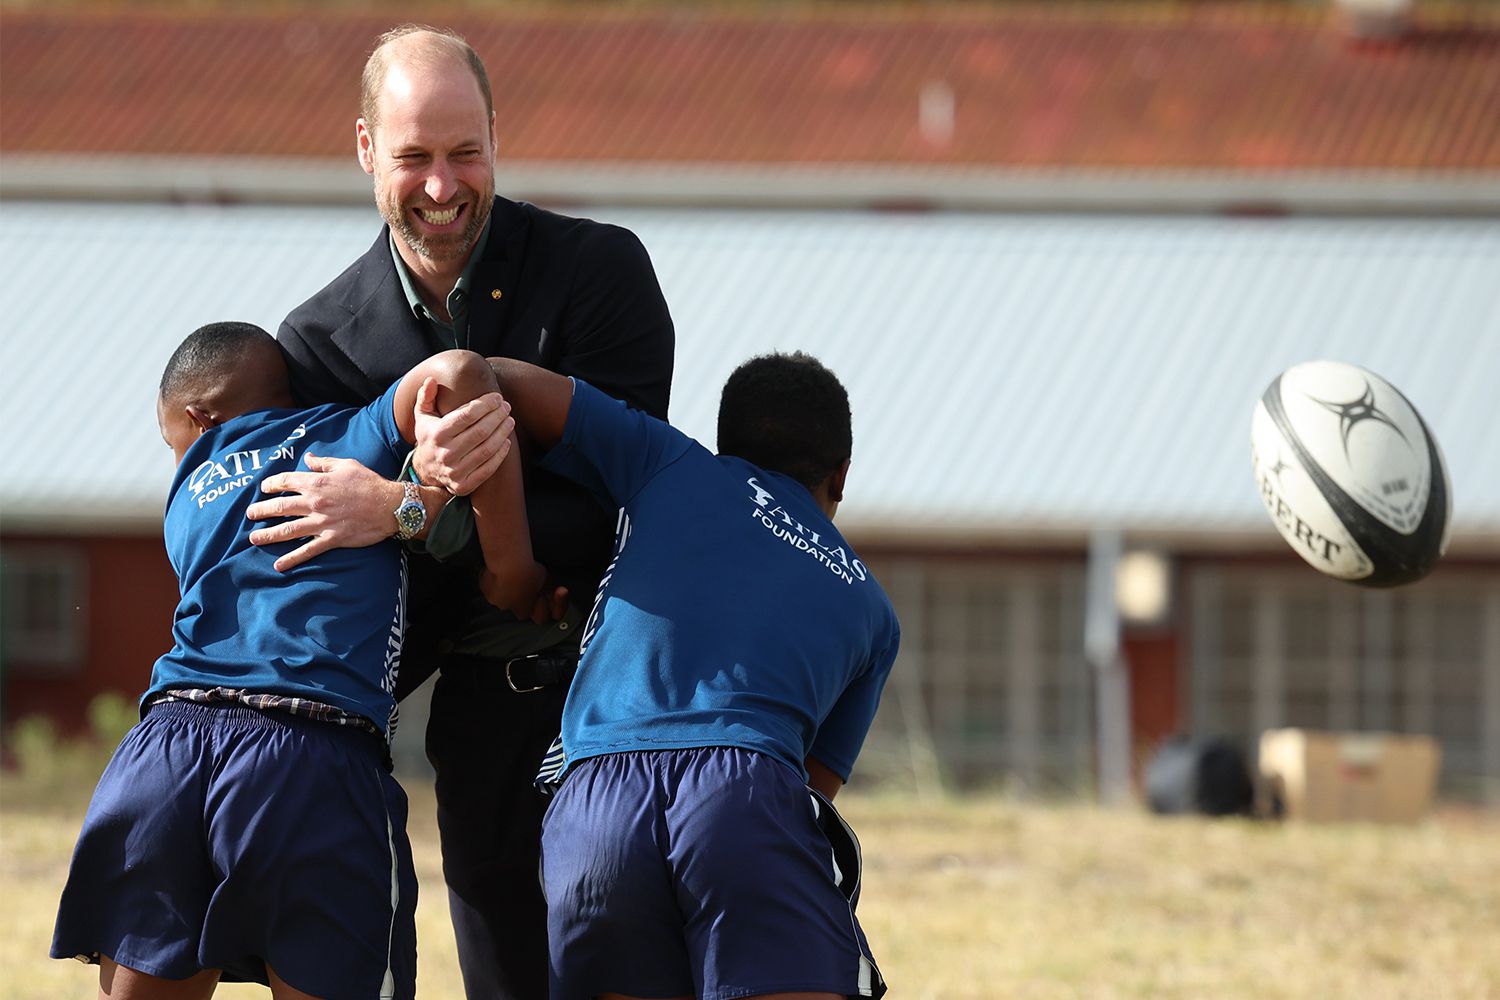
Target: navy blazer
column 572, row 295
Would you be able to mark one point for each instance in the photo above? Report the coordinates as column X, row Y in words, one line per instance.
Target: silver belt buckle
column 510, row 681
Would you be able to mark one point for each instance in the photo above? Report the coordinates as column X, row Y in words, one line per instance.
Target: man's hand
column 461, row 450
column 338, row 503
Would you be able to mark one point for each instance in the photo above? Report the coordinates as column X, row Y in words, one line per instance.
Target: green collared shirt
column 453, row 527
column 455, row 332
column 489, row 631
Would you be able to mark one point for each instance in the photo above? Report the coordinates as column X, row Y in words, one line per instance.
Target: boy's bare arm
column 822, row 778
column 339, row 503
column 452, row 452
column 513, row 579
column 540, row 399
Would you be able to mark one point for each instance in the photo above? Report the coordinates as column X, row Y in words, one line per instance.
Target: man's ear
column 364, row 145
column 201, row 417
column 836, row 482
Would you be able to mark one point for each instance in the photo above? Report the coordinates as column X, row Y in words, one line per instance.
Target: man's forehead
column 398, row 84
column 411, row 83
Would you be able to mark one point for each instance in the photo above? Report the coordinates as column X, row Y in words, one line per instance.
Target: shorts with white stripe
column 226, row 837
column 704, row 871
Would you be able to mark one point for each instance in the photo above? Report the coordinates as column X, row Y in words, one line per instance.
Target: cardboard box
column 1368, row 777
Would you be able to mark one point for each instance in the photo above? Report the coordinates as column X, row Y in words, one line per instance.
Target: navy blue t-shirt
column 733, row 612
column 329, row 630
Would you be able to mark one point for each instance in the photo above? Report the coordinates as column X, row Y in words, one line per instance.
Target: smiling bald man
column 457, row 267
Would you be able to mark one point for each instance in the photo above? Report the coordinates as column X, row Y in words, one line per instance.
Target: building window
column 991, row 686
column 43, row 609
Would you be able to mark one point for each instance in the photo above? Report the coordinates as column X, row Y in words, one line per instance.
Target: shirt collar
column 459, row 294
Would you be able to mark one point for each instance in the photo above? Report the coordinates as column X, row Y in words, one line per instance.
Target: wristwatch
column 411, row 516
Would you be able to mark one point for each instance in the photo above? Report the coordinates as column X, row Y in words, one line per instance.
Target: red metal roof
column 1159, row 86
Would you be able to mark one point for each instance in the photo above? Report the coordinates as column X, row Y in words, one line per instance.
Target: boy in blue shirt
column 733, row 661
column 248, row 828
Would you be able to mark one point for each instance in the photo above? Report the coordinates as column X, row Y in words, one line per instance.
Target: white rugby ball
column 1350, row 474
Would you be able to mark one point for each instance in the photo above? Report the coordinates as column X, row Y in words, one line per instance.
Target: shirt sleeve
column 843, row 732
column 610, row 449
column 380, row 416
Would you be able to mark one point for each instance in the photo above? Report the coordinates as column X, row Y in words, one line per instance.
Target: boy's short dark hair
column 786, row 413
column 211, row 354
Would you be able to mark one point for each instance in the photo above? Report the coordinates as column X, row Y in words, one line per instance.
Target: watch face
column 410, row 517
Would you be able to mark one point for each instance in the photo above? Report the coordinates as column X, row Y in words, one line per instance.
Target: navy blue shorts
column 705, row 872
column 222, row 837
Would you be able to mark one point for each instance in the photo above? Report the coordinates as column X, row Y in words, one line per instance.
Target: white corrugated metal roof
column 1008, row 373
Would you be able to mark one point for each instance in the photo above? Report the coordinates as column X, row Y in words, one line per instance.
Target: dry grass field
column 988, row 897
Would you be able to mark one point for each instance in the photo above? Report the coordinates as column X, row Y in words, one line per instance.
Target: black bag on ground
column 1206, row 776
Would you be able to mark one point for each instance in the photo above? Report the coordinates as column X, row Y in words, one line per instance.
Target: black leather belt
column 523, row 674
column 538, row 670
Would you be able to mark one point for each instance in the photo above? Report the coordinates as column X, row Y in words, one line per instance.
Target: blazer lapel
column 382, row 337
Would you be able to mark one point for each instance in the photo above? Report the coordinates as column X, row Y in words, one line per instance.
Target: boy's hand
column 550, row 605
column 461, row 450
column 532, row 599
